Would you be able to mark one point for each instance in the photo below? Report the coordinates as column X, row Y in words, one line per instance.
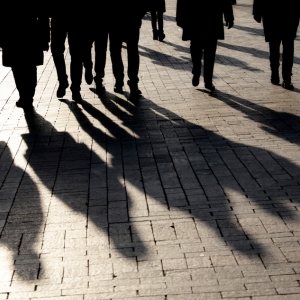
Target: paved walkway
column 183, row 195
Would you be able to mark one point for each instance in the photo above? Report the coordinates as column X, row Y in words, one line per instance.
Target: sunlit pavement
column 184, row 194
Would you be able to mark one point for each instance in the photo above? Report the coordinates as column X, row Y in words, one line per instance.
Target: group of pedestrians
column 120, row 21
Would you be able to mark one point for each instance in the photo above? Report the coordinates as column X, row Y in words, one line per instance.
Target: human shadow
column 252, row 51
column 176, row 62
column 243, row 169
column 88, row 184
column 21, row 234
column 280, row 124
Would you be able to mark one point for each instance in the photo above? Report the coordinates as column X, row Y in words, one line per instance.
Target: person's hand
column 257, row 18
column 229, row 24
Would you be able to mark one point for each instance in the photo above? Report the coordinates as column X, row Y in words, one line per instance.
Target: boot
column 161, row 35
column 155, row 34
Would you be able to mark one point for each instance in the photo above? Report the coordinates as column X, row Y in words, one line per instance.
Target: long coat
column 280, row 17
column 158, row 5
column 203, row 18
column 23, row 39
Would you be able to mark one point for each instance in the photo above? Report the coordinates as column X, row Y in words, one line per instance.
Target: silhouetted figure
column 23, row 38
column 109, row 25
column 69, row 20
column 233, row 2
column 158, row 7
column 280, row 22
column 202, row 23
column 133, row 12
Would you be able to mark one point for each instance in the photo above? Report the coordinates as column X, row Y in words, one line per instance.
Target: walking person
column 68, row 20
column 134, row 11
column 280, row 21
column 23, row 38
column 202, row 23
column 109, row 26
column 158, row 7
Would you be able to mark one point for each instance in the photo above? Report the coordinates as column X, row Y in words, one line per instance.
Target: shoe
column 88, row 75
column 118, row 89
column 288, row 85
column 100, row 88
column 134, row 88
column 209, row 86
column 155, row 34
column 196, row 80
column 76, row 96
column 61, row 91
column 161, row 36
column 24, row 103
column 275, row 78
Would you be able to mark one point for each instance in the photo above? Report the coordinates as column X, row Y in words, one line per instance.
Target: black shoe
column 275, row 78
column 88, row 75
column 209, row 86
column 288, row 86
column 100, row 88
column 155, row 34
column 61, row 91
column 196, row 80
column 134, row 88
column 76, row 96
column 161, row 36
column 118, row 89
column 24, row 103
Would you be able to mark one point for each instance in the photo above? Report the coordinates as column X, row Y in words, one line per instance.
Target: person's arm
column 257, row 10
column 44, row 32
column 228, row 14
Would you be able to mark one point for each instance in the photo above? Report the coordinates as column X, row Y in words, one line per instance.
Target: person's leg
column 287, row 62
column 58, row 38
column 115, row 47
column 76, row 47
column 210, row 47
column 274, row 57
column 25, row 78
column 196, row 49
column 133, row 59
column 153, row 23
column 160, row 25
column 101, row 37
column 87, row 58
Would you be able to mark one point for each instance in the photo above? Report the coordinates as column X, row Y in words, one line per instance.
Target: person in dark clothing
column 70, row 20
column 31, row 34
column 158, row 7
column 133, row 12
column 202, row 23
column 109, row 26
column 280, row 21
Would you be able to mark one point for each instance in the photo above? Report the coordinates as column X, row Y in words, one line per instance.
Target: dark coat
column 158, row 5
column 23, row 39
column 203, row 18
column 280, row 17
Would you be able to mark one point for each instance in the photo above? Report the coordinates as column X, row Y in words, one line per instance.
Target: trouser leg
column 274, row 55
column 76, row 47
column 87, row 53
column 25, row 79
column 100, row 54
column 153, row 20
column 58, row 38
column 133, row 55
column 115, row 47
column 160, row 21
column 210, row 47
column 287, row 59
column 196, row 49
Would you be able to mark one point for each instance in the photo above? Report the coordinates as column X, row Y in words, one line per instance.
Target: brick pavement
column 183, row 195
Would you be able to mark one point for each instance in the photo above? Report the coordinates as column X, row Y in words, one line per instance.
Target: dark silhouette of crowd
column 120, row 21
